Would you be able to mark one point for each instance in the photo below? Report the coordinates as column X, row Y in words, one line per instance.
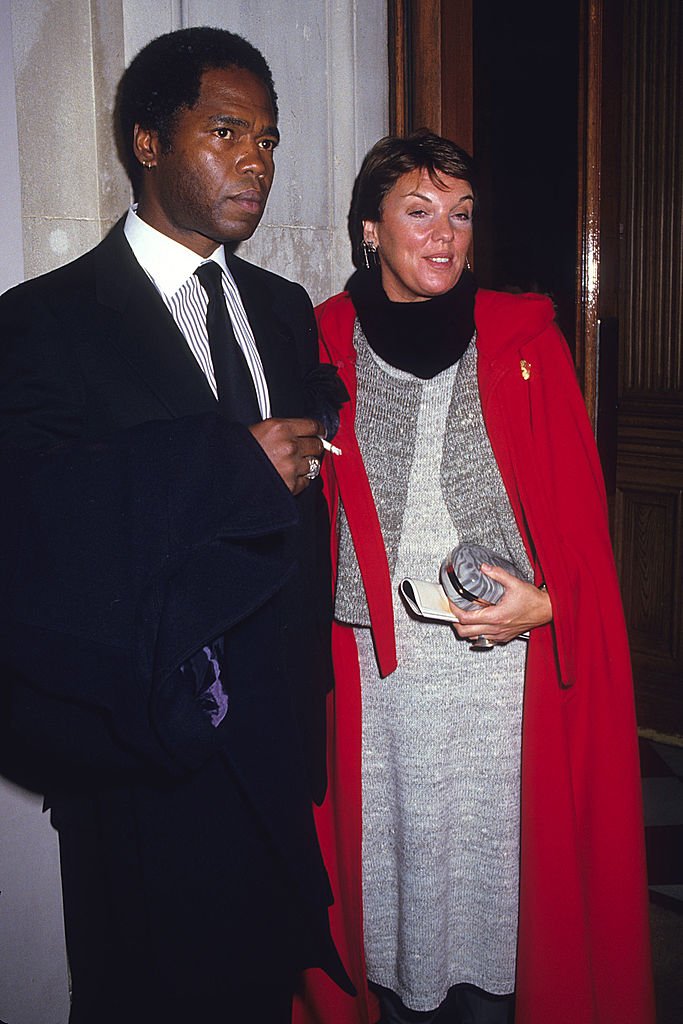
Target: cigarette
column 330, row 447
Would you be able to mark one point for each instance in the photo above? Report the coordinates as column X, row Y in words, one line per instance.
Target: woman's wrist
column 549, row 605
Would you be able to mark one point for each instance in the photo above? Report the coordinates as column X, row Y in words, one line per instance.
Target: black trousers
column 258, row 1004
column 131, row 964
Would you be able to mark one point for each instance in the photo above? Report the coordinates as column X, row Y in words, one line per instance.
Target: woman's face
column 423, row 235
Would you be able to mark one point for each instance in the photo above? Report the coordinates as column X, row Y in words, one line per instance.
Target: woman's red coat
column 583, row 953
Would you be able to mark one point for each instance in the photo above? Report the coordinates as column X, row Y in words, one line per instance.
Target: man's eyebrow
column 230, row 121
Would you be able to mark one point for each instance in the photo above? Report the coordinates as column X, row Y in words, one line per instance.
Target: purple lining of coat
column 204, row 669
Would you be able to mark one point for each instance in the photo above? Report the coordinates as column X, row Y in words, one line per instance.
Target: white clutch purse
column 461, row 581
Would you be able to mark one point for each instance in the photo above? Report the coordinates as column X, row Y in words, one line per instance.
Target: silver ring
column 313, row 467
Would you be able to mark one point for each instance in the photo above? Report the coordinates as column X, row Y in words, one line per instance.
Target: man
column 167, row 604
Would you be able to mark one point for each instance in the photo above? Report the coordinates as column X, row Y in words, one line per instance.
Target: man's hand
column 522, row 607
column 290, row 445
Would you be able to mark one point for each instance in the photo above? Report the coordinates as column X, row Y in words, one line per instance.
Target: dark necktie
column 234, row 383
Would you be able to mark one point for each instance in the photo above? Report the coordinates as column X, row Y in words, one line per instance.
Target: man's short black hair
column 165, row 77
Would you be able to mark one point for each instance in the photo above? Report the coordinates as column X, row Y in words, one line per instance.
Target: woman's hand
column 522, row 607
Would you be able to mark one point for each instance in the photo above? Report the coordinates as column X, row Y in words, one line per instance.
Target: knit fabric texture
column 441, row 735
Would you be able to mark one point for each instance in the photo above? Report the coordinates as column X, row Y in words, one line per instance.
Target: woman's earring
column 467, row 263
column 369, row 254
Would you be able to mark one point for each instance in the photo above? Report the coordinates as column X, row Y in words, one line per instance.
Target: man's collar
column 166, row 261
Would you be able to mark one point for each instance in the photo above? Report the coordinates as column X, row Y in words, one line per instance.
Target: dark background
column 526, row 149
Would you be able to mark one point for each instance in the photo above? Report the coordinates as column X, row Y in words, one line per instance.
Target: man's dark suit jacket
column 143, row 526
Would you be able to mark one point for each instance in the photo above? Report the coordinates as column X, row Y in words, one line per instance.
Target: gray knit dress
column 441, row 735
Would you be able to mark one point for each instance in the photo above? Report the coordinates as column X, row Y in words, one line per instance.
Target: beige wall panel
column 108, row 62
column 146, row 19
column 51, row 241
column 33, row 973
column 68, row 56
column 300, row 253
column 54, row 103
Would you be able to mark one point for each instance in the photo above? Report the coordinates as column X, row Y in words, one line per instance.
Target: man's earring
column 369, row 254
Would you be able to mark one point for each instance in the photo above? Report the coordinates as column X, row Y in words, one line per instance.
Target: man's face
column 213, row 184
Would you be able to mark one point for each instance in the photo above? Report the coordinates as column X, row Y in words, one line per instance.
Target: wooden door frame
column 589, row 212
column 420, row 96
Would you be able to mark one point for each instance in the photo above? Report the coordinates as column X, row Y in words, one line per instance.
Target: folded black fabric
column 151, row 545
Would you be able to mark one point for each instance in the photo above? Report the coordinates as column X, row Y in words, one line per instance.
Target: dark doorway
column 526, row 66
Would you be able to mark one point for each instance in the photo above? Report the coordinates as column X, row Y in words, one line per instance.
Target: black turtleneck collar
column 422, row 338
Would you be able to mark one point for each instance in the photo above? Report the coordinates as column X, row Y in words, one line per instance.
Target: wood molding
column 651, row 532
column 426, row 64
column 399, row 70
column 457, row 92
column 588, row 246
column 649, row 495
column 422, row 89
column 651, row 312
column 649, row 543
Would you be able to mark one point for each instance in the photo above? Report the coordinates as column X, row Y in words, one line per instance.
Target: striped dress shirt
column 170, row 266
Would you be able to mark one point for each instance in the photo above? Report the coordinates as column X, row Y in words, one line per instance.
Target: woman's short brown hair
column 391, row 158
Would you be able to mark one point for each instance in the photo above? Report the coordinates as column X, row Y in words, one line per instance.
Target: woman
column 466, row 423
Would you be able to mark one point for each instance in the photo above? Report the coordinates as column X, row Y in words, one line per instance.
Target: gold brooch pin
column 525, row 368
